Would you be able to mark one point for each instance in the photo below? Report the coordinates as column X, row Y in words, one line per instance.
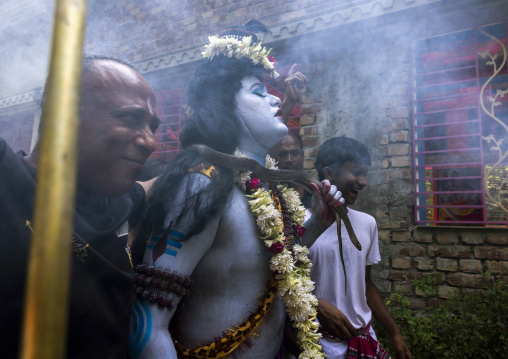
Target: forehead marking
column 150, row 108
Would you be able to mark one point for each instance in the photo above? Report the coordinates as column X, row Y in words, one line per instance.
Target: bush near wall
column 472, row 325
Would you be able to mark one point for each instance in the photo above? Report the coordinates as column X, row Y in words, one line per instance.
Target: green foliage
column 474, row 325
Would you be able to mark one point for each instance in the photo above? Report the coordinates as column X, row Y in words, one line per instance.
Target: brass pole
column 47, row 294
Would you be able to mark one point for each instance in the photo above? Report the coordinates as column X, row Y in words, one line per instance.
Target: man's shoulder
column 359, row 216
column 3, row 145
column 4, row 148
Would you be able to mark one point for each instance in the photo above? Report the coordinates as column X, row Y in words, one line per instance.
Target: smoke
column 25, row 35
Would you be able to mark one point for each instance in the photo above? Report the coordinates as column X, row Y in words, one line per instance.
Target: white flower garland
column 292, row 270
column 231, row 46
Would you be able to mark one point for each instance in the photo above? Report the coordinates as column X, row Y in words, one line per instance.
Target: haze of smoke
column 25, row 33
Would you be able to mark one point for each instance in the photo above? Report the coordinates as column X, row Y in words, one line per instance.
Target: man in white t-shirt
column 345, row 316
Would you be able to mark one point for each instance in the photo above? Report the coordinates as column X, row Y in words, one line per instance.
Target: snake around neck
column 300, row 177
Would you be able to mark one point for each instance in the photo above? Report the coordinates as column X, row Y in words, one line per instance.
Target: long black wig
column 211, row 96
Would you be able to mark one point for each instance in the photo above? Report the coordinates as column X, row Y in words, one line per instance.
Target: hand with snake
column 345, row 313
column 223, row 244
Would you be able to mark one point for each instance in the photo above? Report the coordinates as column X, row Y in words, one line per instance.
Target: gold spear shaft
column 47, row 295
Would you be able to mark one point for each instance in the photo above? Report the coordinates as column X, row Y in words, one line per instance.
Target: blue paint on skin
column 169, row 242
column 177, row 235
column 141, row 328
column 171, row 252
column 173, row 243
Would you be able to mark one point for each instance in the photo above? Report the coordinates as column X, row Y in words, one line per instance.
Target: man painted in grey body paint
column 220, row 249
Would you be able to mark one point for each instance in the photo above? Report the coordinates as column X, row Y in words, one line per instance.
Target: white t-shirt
column 328, row 275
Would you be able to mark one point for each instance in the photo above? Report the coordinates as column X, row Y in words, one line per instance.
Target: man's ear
column 328, row 173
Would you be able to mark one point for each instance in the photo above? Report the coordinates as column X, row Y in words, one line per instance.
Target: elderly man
column 117, row 123
column 289, row 155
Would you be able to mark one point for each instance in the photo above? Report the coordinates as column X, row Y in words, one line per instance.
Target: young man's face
column 288, row 153
column 256, row 109
column 350, row 179
column 118, row 121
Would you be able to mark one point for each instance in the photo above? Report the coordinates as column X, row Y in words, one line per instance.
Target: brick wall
column 369, row 100
column 137, row 29
column 141, row 29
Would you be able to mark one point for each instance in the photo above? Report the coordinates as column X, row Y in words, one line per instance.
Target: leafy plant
column 473, row 325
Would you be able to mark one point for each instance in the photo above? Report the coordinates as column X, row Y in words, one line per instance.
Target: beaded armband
column 148, row 279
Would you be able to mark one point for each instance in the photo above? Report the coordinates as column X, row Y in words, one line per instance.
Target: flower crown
column 235, row 46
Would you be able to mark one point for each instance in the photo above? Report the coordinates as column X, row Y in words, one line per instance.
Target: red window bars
column 171, row 110
column 460, row 121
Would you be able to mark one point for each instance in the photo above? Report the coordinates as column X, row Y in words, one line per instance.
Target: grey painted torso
column 227, row 283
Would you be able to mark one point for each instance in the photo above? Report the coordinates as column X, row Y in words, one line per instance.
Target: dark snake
column 300, row 177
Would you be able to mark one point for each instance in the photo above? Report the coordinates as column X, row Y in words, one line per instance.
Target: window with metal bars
column 460, row 122
column 172, row 112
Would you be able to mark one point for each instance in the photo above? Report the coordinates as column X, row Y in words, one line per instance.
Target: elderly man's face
column 118, row 121
column 288, row 153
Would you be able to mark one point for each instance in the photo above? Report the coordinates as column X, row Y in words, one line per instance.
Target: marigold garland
column 279, row 217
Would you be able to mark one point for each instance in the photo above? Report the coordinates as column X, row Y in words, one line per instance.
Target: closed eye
column 131, row 115
column 259, row 89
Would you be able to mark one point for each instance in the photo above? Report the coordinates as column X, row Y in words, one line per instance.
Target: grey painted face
column 256, row 109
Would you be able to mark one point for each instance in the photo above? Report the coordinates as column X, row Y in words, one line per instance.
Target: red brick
column 447, row 292
column 417, row 251
column 449, row 251
column 398, row 149
column 498, row 238
column 447, row 237
column 400, row 124
column 404, row 288
column 403, row 251
column 490, row 252
column 401, row 263
column 422, row 237
column 400, row 161
column 308, row 131
column 466, row 280
column 472, row 238
column 310, row 152
column 497, row 267
column 309, row 141
column 399, row 136
column 401, row 236
column 424, row 263
column 310, row 109
column 383, row 140
column 470, row 266
column 384, row 235
column 447, row 265
column 308, row 164
column 307, row 120
column 395, row 275
column 410, row 276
